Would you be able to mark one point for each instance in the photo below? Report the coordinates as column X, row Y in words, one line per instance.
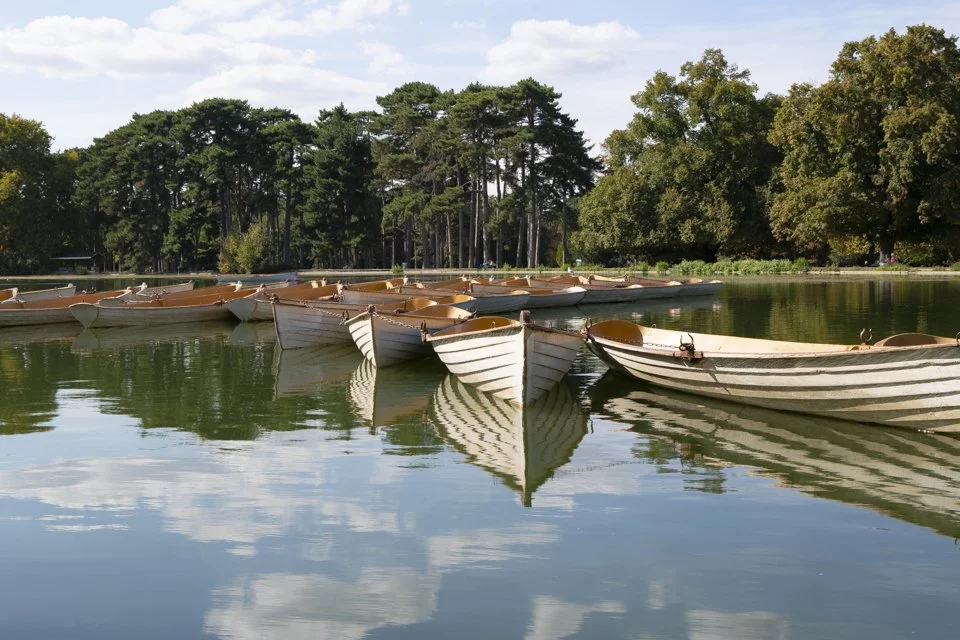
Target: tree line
column 867, row 162
column 434, row 178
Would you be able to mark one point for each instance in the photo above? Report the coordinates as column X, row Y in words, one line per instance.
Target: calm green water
column 195, row 482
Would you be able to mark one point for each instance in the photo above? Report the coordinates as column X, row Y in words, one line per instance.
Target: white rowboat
column 313, row 324
column 515, row 361
column 51, row 311
column 909, row 380
column 258, row 307
column 388, row 338
column 193, row 306
column 14, row 294
column 541, row 298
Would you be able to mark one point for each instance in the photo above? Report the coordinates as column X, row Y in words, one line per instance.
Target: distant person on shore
column 893, row 258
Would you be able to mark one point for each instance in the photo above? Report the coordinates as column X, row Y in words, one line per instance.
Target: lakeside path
column 334, row 274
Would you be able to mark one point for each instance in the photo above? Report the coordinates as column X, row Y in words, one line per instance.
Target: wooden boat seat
column 912, row 340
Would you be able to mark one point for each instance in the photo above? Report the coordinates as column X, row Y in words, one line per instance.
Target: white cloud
column 544, row 48
column 65, row 46
column 277, row 21
column 299, row 87
column 186, row 13
column 385, row 60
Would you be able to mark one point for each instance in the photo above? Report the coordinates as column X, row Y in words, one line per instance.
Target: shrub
column 397, row 270
column 662, row 267
column 246, row 252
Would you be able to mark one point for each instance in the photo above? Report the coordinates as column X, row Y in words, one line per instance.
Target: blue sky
column 83, row 68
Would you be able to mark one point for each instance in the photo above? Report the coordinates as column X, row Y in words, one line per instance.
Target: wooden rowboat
column 908, row 380
column 523, row 446
column 500, row 301
column 652, row 289
column 386, row 338
column 302, row 324
column 162, row 290
column 393, row 296
column 699, row 287
column 258, row 306
column 14, row 294
column 539, row 298
column 53, row 310
column 192, row 306
column 600, row 293
column 516, row 361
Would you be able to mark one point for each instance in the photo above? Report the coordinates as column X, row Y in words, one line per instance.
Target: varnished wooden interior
column 637, row 335
column 61, row 303
column 477, row 324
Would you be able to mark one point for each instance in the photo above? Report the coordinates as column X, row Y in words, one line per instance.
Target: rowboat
column 523, row 446
column 258, row 306
column 700, row 287
column 163, row 290
column 393, row 296
column 258, row 278
column 539, row 298
column 516, row 361
column 203, row 305
column 600, row 293
column 501, row 300
column 386, row 338
column 53, row 310
column 311, row 324
column 911, row 476
column 11, row 295
column 392, row 396
column 651, row 288
column 908, row 380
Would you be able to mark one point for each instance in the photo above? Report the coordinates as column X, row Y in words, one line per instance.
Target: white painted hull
column 518, row 363
column 594, row 294
column 521, row 445
column 504, row 303
column 300, row 326
column 141, row 315
column 386, row 340
column 14, row 315
column 162, row 290
column 251, row 309
column 353, row 296
column 543, row 299
column 8, row 295
column 914, row 387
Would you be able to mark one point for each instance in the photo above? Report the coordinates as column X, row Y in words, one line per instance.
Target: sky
column 84, row 68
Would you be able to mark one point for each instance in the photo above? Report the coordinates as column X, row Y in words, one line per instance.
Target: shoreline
column 333, row 274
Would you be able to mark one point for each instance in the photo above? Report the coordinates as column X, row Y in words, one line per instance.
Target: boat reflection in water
column 521, row 446
column 112, row 338
column 908, row 475
column 313, row 370
column 387, row 397
column 249, row 334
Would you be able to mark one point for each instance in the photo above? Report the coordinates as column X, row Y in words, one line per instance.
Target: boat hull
column 386, row 340
column 51, row 311
column 897, row 386
column 300, row 326
column 543, row 298
column 518, row 363
column 7, row 296
column 140, row 315
column 360, row 297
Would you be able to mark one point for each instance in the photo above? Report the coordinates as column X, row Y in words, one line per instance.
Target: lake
column 195, row 482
